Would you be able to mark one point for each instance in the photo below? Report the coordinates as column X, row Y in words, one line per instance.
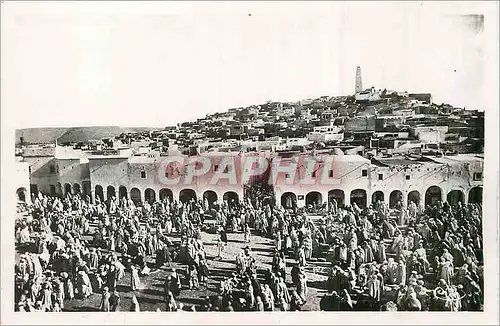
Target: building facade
column 423, row 181
column 22, row 177
column 303, row 179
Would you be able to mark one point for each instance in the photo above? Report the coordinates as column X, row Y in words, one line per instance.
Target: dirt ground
column 150, row 297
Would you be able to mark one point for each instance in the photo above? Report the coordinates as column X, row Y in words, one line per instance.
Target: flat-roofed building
column 392, row 180
column 303, row 178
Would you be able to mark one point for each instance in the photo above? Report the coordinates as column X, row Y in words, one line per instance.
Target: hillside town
column 390, row 217
column 370, row 123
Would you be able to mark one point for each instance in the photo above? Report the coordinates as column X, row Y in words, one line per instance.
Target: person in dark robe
column 228, row 307
column 63, row 264
column 203, row 271
column 275, row 263
column 141, row 254
column 282, row 290
column 473, row 294
column 170, row 303
column 111, row 278
column 346, row 301
column 160, row 257
column 72, row 263
column 295, row 302
column 206, row 305
column 173, row 284
column 223, row 235
column 167, row 254
column 330, row 302
column 368, row 252
column 295, row 273
column 114, row 301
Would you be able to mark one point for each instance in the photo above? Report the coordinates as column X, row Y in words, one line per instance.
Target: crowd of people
column 418, row 260
column 408, row 258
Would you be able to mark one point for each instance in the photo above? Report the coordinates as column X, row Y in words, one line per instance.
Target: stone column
column 27, row 196
column 405, row 198
column 368, row 197
column 143, row 195
column 466, row 196
column 324, row 198
column 241, row 194
column 444, row 194
column 301, row 203
column 175, row 195
column 347, row 197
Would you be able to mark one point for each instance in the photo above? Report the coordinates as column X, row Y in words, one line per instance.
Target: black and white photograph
column 284, row 160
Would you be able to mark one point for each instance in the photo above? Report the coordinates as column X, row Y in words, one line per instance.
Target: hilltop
column 72, row 134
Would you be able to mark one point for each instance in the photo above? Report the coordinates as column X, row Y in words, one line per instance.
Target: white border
column 489, row 316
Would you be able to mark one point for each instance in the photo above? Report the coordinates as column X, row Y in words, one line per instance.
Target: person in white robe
column 135, row 281
column 302, row 285
column 374, row 287
column 135, row 304
column 401, row 273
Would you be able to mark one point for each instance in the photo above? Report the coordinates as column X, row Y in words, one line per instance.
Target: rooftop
column 461, row 158
column 101, row 157
column 397, row 161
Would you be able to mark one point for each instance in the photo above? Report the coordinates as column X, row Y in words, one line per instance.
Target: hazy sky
column 156, row 64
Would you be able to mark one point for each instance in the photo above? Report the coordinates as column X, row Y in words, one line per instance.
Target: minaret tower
column 359, row 83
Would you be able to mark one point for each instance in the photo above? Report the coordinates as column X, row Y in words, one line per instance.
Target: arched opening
column 87, row 188
column 166, row 193
column 122, row 192
column 210, row 196
column 34, row 190
column 99, row 192
column 454, row 197
column 186, row 195
column 358, row 196
column 314, row 198
column 231, row 196
column 110, row 192
column 67, row 188
column 150, row 195
column 476, row 195
column 59, row 189
column 432, row 195
column 52, row 190
column 377, row 196
column 414, row 196
column 396, row 199
column 21, row 194
column 77, row 189
column 135, row 195
column 338, row 195
column 288, row 200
